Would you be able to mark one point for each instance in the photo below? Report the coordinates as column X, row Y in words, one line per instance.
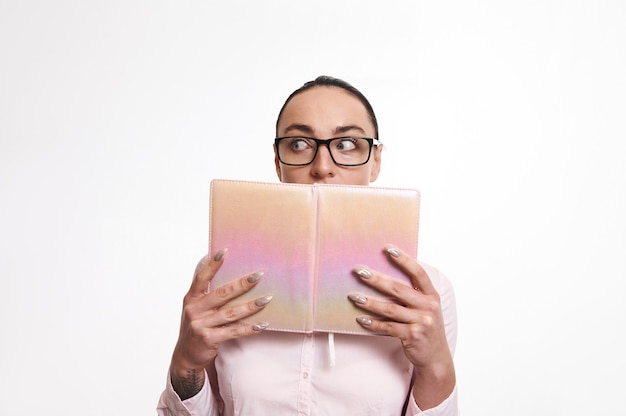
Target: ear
column 376, row 154
column 277, row 164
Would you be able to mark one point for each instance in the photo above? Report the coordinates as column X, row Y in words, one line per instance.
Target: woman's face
column 323, row 113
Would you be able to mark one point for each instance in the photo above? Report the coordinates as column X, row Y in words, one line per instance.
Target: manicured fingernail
column 254, row 277
column 263, row 301
column 393, row 252
column 357, row 298
column 364, row 273
column 364, row 320
column 220, row 254
column 260, row 327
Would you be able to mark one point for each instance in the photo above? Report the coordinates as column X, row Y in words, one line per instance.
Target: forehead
column 324, row 109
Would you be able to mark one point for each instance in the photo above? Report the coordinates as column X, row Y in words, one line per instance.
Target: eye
column 346, row 144
column 299, row 144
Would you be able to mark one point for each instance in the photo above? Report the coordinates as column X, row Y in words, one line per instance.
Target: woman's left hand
column 415, row 318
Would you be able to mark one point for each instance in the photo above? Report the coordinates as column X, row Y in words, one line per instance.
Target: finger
column 395, row 329
column 203, row 276
column 419, row 277
column 400, row 291
column 223, row 294
column 383, row 308
column 219, row 335
column 236, row 314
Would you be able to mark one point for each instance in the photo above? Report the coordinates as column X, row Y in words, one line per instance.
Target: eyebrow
column 346, row 129
column 303, row 128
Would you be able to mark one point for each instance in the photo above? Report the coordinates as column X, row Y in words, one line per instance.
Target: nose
column 323, row 165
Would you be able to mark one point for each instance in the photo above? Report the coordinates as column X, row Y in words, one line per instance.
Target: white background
column 115, row 115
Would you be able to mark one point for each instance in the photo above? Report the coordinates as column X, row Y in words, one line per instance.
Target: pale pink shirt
column 277, row 373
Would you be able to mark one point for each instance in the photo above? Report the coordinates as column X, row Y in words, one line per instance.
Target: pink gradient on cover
column 267, row 228
column 277, row 228
column 354, row 228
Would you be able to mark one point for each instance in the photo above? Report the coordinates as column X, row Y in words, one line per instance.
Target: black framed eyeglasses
column 344, row 151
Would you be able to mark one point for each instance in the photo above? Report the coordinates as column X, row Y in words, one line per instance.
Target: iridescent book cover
column 307, row 239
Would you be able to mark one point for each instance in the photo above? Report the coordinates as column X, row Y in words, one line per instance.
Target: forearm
column 186, row 382
column 433, row 385
column 203, row 403
column 187, row 374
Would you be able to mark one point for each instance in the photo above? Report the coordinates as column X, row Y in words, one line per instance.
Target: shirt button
column 305, row 375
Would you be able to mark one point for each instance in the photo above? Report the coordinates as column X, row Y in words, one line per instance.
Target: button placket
column 304, row 384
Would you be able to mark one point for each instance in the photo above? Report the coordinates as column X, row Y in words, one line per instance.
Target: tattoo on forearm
column 190, row 385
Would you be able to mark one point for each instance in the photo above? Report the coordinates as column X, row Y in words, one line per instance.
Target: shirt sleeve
column 202, row 404
column 449, row 407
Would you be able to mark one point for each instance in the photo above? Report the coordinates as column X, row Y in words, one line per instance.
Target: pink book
column 307, row 239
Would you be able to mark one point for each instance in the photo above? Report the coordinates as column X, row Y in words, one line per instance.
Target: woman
column 411, row 371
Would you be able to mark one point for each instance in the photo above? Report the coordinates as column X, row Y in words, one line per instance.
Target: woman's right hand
column 206, row 323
